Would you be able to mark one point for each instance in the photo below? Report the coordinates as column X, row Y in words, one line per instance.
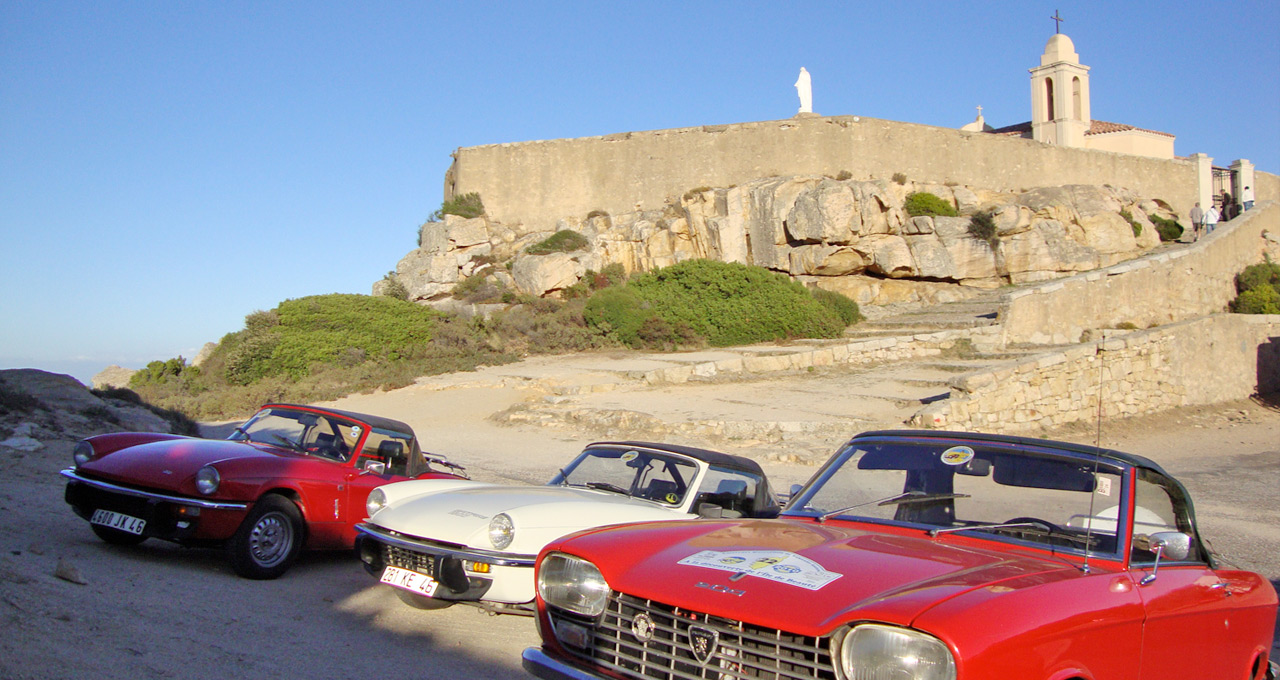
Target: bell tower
column 1060, row 95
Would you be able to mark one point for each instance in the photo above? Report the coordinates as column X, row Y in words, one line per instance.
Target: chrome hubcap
column 271, row 539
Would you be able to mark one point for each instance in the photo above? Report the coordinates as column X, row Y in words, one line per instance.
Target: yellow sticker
column 629, row 456
column 957, row 455
column 672, row 498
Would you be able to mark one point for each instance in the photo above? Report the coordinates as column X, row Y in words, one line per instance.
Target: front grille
column 737, row 649
column 408, row 559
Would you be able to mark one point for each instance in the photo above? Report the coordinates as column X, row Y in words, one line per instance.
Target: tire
column 115, row 536
column 266, row 544
column 421, row 601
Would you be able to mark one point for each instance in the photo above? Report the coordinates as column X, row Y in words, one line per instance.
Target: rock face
column 51, row 406
column 846, row 235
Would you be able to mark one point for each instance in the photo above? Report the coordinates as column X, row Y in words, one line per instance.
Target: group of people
column 1204, row 221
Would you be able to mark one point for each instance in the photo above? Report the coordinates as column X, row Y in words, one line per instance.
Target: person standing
column 1210, row 219
column 1197, row 221
column 1246, row 197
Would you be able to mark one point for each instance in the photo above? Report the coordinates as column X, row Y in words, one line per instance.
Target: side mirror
column 375, row 467
column 1173, row 545
column 710, row 511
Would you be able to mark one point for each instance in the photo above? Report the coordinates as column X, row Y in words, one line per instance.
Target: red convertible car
column 917, row 556
column 289, row 477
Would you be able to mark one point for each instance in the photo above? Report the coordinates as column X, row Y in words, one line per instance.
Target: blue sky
column 167, row 168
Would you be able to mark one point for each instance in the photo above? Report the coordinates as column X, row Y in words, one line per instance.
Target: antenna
column 1097, row 444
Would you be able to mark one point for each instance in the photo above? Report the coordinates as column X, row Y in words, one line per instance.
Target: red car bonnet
column 887, row 576
column 166, row 464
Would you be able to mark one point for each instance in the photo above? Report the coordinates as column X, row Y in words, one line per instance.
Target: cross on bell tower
column 1057, row 22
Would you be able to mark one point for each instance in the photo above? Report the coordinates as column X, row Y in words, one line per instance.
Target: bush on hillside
column 466, row 205
column 564, row 241
column 920, row 203
column 844, row 308
column 982, row 226
column 1168, row 229
column 721, row 302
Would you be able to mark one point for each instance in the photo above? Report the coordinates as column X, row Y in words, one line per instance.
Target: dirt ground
column 73, row 607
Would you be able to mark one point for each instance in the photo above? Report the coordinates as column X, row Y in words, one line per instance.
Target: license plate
column 410, row 580
column 115, row 520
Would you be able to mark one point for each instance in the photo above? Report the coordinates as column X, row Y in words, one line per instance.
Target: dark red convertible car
column 917, row 556
column 289, row 477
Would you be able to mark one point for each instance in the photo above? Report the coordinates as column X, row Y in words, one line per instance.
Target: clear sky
column 167, row 168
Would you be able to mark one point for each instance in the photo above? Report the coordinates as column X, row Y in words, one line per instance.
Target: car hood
column 169, row 463
column 539, row 514
column 831, row 572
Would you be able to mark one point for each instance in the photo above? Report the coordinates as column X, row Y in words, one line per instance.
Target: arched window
column 1076, row 103
column 1050, row 112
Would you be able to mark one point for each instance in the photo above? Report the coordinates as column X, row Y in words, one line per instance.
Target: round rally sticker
column 957, row 455
column 629, row 456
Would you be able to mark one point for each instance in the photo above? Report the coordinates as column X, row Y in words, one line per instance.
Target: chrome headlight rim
column 502, row 531
column 873, row 643
column 82, row 453
column 376, row 500
column 573, row 584
column 208, row 480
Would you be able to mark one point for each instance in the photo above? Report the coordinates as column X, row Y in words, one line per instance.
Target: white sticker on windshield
column 957, row 455
column 355, row 431
column 774, row 565
column 1104, row 486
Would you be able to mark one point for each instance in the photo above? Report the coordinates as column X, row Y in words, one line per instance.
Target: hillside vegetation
column 326, row 346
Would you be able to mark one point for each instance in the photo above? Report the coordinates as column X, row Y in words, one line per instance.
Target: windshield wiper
column 1039, row 527
column 606, row 486
column 289, row 443
column 908, row 497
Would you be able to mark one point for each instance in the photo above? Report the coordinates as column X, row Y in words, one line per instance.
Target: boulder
column 542, row 274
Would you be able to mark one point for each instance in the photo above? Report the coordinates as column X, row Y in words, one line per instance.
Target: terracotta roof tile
column 1097, row 127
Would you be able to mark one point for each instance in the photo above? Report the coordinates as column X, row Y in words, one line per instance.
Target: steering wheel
column 1053, row 528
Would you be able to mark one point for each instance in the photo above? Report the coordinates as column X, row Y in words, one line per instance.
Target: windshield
column 324, row 436
column 1053, row 500
column 661, row 477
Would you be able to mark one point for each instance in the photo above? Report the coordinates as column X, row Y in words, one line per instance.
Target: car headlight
column 376, row 501
column 501, row 531
column 572, row 583
column 875, row 652
column 82, row 453
column 207, row 480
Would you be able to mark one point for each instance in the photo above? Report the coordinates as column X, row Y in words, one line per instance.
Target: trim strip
column 70, row 473
column 498, row 559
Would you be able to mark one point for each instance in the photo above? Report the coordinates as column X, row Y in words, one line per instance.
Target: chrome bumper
column 71, row 474
column 541, row 665
column 496, row 559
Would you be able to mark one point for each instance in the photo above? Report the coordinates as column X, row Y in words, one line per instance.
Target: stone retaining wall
column 1202, row 361
column 1148, row 291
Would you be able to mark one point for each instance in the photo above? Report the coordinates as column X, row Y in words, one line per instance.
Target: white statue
column 805, row 89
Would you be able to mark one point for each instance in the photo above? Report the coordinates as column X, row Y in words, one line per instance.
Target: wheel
column 115, row 536
column 421, row 601
column 268, row 541
column 1053, row 528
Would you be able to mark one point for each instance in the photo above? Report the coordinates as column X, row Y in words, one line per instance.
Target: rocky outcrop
column 40, row 407
column 845, row 235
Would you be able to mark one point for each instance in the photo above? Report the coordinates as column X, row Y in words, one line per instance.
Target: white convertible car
column 441, row 542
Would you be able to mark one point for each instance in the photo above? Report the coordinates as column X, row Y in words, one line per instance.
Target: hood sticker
column 957, row 455
column 774, row 565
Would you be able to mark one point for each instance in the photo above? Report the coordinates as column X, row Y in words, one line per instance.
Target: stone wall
column 1202, row 361
column 1148, row 291
column 538, row 183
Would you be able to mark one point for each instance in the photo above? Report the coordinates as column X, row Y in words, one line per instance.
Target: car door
column 1187, row 632
column 383, row 458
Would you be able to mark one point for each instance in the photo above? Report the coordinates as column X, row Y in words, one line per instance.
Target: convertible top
column 375, row 421
column 1128, row 459
column 708, row 456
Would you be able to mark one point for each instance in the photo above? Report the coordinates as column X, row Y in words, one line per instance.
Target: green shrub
column 725, row 303
column 163, row 371
column 466, row 205
column 1258, row 275
column 1168, row 229
column 920, row 203
column 564, row 241
column 394, row 288
column 899, row 178
column 479, row 288
column 845, row 309
column 1260, row 300
column 982, row 226
column 1133, row 224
